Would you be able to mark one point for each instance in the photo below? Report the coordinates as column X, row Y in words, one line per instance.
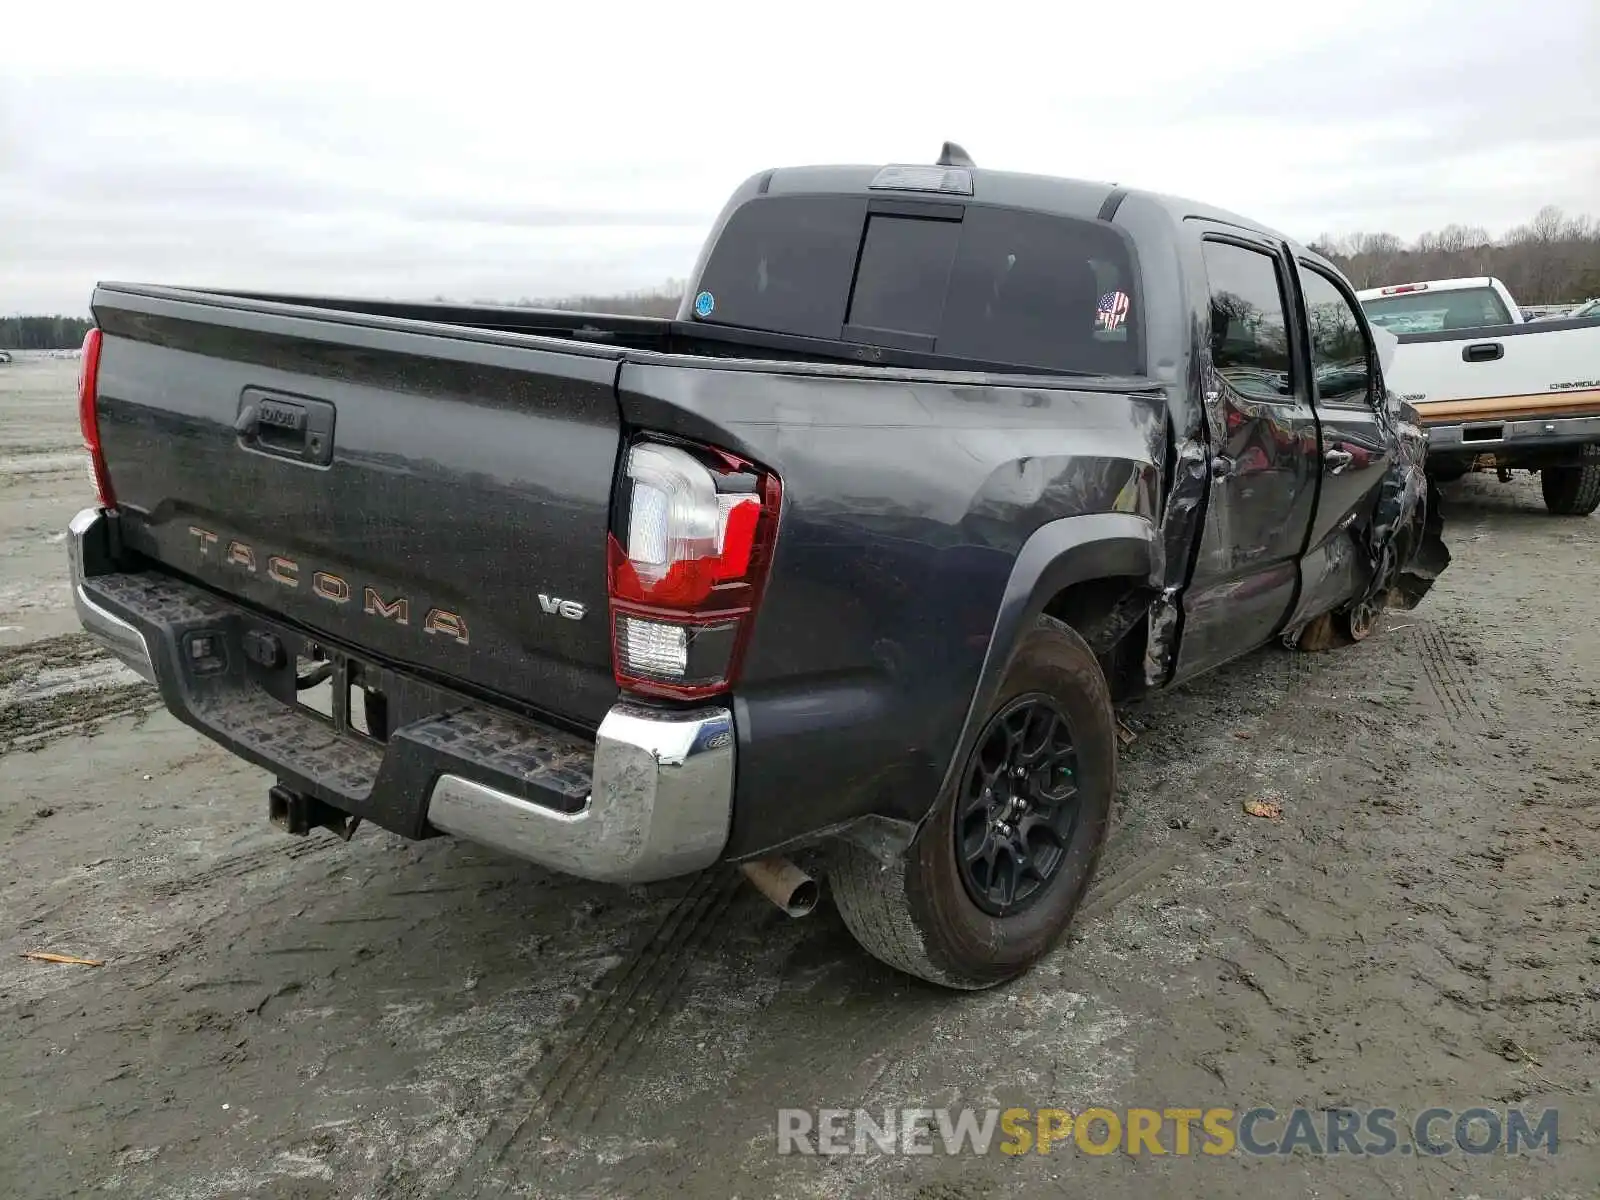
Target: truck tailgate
column 432, row 498
column 1543, row 369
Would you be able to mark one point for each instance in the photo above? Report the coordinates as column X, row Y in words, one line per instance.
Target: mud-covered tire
column 1573, row 491
column 918, row 915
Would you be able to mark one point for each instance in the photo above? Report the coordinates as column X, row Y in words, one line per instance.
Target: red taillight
column 1403, row 288
column 89, row 419
column 686, row 567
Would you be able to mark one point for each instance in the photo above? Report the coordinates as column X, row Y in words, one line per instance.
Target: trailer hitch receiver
column 297, row 813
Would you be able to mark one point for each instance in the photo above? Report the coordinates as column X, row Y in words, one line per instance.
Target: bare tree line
column 1553, row 259
column 42, row 332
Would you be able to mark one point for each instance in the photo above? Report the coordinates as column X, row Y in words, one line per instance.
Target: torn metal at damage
column 1429, row 558
column 1191, row 482
column 1407, row 540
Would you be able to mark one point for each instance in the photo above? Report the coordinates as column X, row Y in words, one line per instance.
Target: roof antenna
column 954, row 156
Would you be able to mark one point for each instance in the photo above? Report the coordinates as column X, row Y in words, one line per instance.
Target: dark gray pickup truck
column 848, row 564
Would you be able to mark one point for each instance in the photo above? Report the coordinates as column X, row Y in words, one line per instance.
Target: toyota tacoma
column 838, row 574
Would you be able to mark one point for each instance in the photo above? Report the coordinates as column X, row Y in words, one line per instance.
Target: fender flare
column 1057, row 555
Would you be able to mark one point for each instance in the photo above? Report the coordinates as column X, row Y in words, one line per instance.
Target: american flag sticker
column 1112, row 311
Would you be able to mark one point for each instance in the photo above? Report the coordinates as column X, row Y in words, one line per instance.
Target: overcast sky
column 535, row 149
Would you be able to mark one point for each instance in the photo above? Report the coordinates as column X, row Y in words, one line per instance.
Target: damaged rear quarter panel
column 906, row 501
column 1408, row 526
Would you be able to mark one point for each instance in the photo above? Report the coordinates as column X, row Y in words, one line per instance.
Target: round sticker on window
column 704, row 304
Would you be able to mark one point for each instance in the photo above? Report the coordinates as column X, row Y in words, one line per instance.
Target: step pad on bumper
column 650, row 797
column 541, row 764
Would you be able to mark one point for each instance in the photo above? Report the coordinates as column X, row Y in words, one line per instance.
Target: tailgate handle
column 1483, row 352
column 294, row 428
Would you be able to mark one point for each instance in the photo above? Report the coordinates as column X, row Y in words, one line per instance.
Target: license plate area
column 347, row 692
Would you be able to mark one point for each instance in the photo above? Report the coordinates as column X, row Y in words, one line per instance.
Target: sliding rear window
column 990, row 285
column 1432, row 312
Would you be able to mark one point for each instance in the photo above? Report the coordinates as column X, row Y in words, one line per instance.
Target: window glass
column 904, row 272
column 1003, row 286
column 1429, row 312
column 1042, row 291
column 783, row 264
column 1340, row 365
column 1249, row 335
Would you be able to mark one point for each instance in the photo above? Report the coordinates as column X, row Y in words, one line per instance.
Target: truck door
column 1355, row 452
column 1264, row 453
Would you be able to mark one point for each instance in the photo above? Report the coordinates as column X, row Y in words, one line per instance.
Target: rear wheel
column 1003, row 861
column 1573, row 491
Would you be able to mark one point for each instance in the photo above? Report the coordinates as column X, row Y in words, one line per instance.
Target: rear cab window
column 988, row 285
column 1430, row 312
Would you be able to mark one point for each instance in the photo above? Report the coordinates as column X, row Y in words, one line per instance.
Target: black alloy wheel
column 1018, row 805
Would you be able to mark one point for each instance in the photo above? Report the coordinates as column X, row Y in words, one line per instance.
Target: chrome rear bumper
column 121, row 639
column 660, row 787
column 659, row 805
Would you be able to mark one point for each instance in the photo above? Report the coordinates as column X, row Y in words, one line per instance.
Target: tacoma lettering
column 335, row 589
column 375, row 605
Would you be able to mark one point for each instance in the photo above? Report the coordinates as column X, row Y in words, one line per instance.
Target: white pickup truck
column 1492, row 389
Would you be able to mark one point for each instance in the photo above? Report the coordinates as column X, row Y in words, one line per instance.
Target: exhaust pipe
column 785, row 884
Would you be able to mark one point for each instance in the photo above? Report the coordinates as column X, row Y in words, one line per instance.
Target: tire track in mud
column 236, row 866
column 232, row 867
column 19, row 663
column 42, row 462
column 872, row 1040
column 63, row 685
column 568, row 1088
column 30, row 725
column 856, row 1048
column 581, row 1085
column 1457, row 695
column 1130, row 873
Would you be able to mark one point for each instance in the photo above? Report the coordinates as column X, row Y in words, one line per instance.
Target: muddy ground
column 280, row 1017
